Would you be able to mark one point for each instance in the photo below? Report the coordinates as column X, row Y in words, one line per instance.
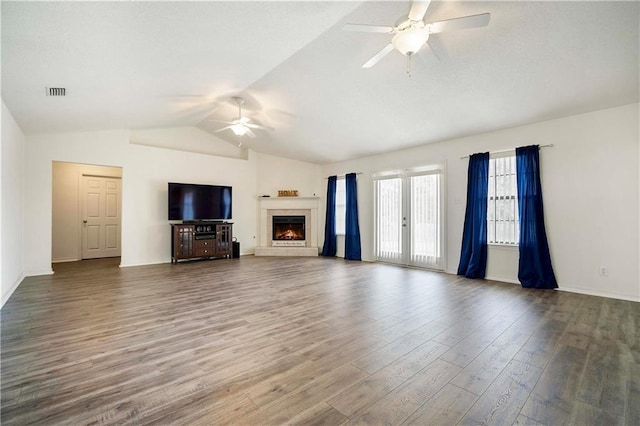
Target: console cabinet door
column 183, row 239
column 223, row 240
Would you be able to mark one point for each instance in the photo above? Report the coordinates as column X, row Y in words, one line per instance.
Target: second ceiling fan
column 410, row 35
column 241, row 126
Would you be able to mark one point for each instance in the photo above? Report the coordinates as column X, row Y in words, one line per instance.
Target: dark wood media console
column 201, row 240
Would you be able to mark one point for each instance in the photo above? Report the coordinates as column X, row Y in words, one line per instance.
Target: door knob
column 84, row 221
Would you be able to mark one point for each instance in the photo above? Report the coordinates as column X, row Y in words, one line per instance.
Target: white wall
column 190, row 139
column 11, row 212
column 66, row 177
column 591, row 196
column 594, row 164
column 145, row 173
column 276, row 173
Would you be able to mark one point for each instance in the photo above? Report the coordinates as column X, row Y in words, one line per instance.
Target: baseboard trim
column 568, row 289
column 597, row 293
column 503, row 280
column 38, row 273
column 13, row 288
column 129, row 265
column 490, row 278
column 65, row 259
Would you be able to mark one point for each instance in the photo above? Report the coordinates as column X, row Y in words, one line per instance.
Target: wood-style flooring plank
column 446, row 407
column 270, row 341
column 604, row 381
column 632, row 414
column 554, row 397
column 478, row 375
column 396, row 406
column 361, row 395
column 468, row 348
column 503, row 400
column 308, row 397
column 586, row 414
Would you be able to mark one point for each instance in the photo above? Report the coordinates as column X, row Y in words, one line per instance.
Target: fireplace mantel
column 307, row 206
column 286, row 202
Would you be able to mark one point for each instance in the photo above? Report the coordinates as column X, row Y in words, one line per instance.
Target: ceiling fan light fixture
column 239, row 129
column 410, row 40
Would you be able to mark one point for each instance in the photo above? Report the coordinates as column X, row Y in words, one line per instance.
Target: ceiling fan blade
column 418, row 9
column 245, row 121
column 220, row 121
column 250, row 133
column 258, row 126
column 473, row 21
column 381, row 54
column 223, row 129
column 368, row 28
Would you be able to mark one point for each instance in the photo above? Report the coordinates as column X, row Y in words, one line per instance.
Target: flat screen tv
column 199, row 202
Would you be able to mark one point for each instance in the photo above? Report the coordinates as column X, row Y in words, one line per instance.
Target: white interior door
column 409, row 218
column 100, row 199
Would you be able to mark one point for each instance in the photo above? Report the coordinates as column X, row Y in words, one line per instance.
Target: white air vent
column 56, row 91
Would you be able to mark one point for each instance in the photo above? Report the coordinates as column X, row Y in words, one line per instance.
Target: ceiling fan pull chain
column 409, row 65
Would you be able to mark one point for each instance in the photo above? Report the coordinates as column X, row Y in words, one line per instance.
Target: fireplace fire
column 288, row 228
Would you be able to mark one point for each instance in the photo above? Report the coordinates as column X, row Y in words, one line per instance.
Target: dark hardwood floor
column 261, row 341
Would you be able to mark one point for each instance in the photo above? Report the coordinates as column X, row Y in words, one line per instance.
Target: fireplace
column 288, row 228
column 289, row 212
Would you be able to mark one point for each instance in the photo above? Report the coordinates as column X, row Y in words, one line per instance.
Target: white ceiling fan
column 241, row 126
column 413, row 33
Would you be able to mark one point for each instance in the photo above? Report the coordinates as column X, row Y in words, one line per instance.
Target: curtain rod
column 507, row 150
column 341, row 176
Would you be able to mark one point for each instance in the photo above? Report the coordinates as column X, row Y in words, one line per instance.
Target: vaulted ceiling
column 143, row 65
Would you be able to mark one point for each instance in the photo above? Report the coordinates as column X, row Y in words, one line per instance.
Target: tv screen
column 199, row 202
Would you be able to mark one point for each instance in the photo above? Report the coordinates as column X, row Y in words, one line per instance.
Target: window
column 341, row 205
column 503, row 226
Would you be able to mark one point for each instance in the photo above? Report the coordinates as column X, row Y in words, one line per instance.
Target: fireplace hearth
column 288, row 228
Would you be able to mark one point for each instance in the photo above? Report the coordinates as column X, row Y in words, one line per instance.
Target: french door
column 409, row 218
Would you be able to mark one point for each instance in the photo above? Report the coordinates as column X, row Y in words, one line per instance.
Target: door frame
column 65, row 191
column 406, row 235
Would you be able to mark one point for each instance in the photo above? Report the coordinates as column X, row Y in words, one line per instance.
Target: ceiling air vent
column 56, row 91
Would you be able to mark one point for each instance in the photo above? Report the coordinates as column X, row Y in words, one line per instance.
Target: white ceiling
column 145, row 65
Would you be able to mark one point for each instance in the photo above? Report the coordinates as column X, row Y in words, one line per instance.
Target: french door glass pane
column 389, row 219
column 425, row 220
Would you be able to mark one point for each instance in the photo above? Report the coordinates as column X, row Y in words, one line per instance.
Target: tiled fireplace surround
column 288, row 206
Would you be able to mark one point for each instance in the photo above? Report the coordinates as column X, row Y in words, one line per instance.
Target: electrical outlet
column 604, row 271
